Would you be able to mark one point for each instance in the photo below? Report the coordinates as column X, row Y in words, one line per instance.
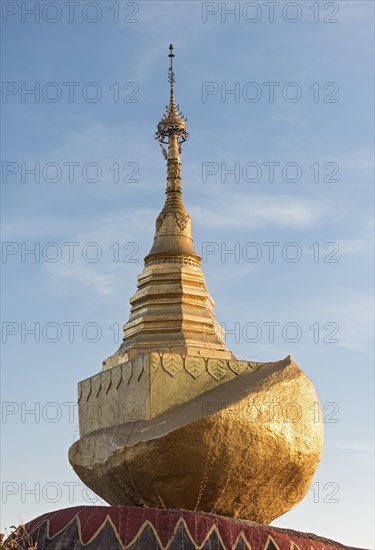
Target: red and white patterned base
column 127, row 527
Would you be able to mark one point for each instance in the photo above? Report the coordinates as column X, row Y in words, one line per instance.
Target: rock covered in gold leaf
column 247, row 448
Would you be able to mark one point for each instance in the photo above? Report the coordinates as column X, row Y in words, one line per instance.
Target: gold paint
column 242, row 440
column 154, row 382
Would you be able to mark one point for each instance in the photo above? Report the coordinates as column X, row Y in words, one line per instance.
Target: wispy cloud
column 355, row 446
column 103, row 285
column 122, row 239
column 249, row 211
column 361, row 247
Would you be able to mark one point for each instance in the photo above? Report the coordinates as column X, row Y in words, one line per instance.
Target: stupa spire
column 173, row 225
column 172, row 310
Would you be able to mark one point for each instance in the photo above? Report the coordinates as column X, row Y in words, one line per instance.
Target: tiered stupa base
column 133, row 528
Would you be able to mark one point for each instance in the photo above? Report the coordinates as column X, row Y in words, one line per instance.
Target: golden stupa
column 174, row 420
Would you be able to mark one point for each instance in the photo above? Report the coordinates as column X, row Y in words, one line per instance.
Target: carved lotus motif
column 138, row 368
column 86, row 389
column 116, row 376
column 154, row 364
column 106, row 380
column 79, row 392
column 195, row 366
column 96, row 385
column 172, row 364
column 126, row 372
column 216, row 368
column 237, row 367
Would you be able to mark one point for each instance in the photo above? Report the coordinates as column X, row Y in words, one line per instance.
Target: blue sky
column 326, row 62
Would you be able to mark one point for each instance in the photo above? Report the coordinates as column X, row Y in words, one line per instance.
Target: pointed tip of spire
column 173, row 122
column 171, row 76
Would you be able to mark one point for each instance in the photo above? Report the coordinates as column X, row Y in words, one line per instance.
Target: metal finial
column 171, row 76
